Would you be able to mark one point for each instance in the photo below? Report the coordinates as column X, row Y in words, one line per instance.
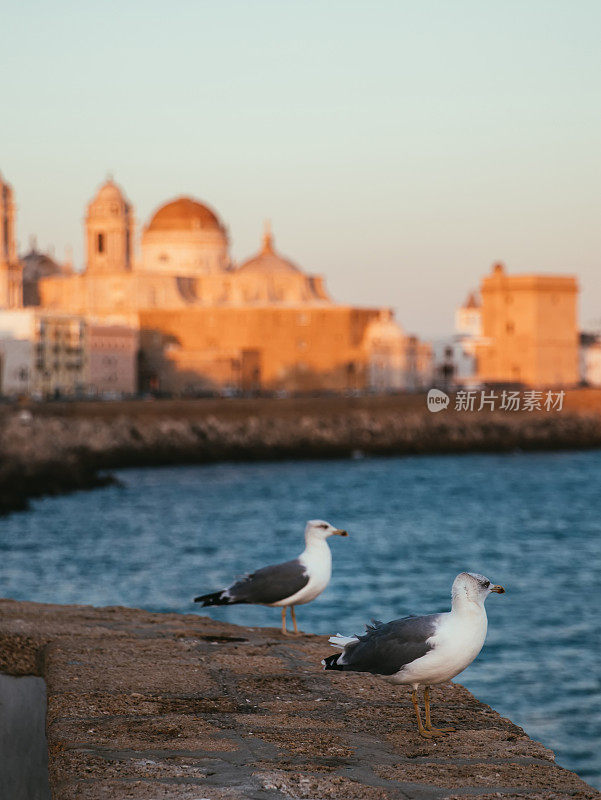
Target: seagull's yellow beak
column 497, row 589
column 339, row 532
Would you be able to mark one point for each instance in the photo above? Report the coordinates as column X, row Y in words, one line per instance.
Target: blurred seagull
column 289, row 584
column 422, row 651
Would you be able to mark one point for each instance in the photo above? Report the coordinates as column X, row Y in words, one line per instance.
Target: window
column 100, row 243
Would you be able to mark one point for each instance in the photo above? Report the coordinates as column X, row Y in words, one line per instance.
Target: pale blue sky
column 398, row 147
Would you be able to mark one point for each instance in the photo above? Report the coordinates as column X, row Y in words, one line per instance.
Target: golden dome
column 184, row 214
column 267, row 261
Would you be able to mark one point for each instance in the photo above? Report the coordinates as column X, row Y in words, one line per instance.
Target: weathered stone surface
column 164, row 706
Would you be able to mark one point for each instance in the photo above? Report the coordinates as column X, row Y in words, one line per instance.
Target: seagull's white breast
column 317, row 560
column 456, row 643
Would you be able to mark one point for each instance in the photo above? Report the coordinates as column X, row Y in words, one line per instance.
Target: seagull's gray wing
column 387, row 647
column 270, row 584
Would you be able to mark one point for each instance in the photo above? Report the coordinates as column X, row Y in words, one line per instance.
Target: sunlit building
column 208, row 324
column 10, row 269
column 529, row 329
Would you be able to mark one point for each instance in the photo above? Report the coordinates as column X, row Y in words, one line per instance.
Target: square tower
column 11, row 291
column 529, row 329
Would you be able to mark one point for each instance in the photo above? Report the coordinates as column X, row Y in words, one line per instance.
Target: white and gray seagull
column 291, row 583
column 422, row 651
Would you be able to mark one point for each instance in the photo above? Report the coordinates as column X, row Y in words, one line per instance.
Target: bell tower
column 109, row 231
column 11, row 288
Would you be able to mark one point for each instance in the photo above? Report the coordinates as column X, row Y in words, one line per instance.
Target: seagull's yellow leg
column 293, row 615
column 429, row 726
column 284, row 631
column 422, row 731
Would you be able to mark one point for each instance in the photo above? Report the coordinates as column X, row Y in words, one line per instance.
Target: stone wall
column 164, row 706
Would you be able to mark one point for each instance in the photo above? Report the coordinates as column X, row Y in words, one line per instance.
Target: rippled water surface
column 529, row 521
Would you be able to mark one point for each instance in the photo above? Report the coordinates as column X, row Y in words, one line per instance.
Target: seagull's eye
column 486, row 584
column 325, row 527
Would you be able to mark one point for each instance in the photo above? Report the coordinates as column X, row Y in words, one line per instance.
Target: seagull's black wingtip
column 331, row 662
column 214, row 599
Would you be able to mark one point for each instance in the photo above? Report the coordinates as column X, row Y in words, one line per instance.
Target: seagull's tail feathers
column 221, row 598
column 339, row 642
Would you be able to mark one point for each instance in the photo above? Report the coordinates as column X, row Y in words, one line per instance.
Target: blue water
column 528, row 521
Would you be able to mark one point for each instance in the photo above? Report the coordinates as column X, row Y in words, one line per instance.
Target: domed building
column 184, row 263
column 206, row 324
column 185, row 237
column 35, row 266
column 269, row 278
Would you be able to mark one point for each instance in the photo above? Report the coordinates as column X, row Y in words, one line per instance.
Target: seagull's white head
column 474, row 587
column 319, row 529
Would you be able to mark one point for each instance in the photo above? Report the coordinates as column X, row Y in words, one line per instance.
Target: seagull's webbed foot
column 429, row 727
column 439, row 731
column 430, row 733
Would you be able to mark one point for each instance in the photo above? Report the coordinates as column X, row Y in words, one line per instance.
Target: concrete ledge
column 153, row 706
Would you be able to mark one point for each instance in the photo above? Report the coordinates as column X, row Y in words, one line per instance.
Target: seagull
column 291, row 583
column 422, row 651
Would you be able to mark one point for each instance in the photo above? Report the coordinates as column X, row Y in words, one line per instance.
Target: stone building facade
column 10, row 269
column 529, row 329
column 46, row 354
column 207, row 324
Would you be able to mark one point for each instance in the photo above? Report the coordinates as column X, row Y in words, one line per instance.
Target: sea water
column 528, row 521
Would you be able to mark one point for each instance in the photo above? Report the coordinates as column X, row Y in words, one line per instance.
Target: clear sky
column 399, row 148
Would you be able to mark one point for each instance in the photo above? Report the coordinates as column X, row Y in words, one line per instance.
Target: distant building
column 184, row 264
column 468, row 320
column 41, row 354
column 35, row 267
column 590, row 359
column 207, row 324
column 395, row 361
column 529, row 330
column 49, row 354
column 10, row 269
column 455, row 356
column 468, row 328
column 112, row 347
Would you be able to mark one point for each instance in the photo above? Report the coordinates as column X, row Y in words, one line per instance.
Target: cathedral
column 205, row 323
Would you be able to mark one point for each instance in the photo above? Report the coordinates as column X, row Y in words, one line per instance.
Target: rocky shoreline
column 55, row 449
